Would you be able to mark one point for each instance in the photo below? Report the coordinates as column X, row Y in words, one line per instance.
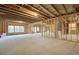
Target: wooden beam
column 16, row 11
column 29, row 7
column 56, row 9
column 24, row 12
column 48, row 10
column 64, row 8
column 62, row 18
column 20, row 12
column 12, row 13
column 32, row 15
column 51, row 15
column 40, row 10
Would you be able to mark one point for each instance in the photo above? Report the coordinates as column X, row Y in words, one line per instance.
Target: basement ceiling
column 38, row 12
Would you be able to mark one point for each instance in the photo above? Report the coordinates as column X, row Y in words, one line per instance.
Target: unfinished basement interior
column 39, row 29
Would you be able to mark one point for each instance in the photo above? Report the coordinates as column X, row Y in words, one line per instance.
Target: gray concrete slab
column 35, row 44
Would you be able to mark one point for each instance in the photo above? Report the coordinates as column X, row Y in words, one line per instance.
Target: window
column 15, row 29
column 21, row 28
column 10, row 28
column 38, row 29
column 72, row 28
column 35, row 29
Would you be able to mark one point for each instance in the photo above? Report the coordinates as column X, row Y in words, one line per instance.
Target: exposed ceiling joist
column 56, row 9
column 21, row 7
column 36, row 17
column 16, row 11
column 20, row 11
column 65, row 8
column 50, row 14
column 11, row 14
column 11, row 8
column 41, row 11
column 29, row 7
column 48, row 10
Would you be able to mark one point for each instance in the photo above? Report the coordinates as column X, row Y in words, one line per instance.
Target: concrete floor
column 35, row 44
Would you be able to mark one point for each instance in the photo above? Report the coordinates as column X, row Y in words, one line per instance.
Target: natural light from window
column 15, row 29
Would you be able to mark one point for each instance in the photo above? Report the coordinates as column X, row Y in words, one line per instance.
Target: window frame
column 10, row 28
column 20, row 27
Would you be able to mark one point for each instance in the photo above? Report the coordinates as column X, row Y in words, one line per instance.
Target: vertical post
column 56, row 31
column 4, row 27
column 42, row 28
column 60, row 23
column 71, row 27
column 55, row 27
column 51, row 28
column 62, row 29
column 46, row 28
column 36, row 29
column 65, row 29
column 77, row 27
